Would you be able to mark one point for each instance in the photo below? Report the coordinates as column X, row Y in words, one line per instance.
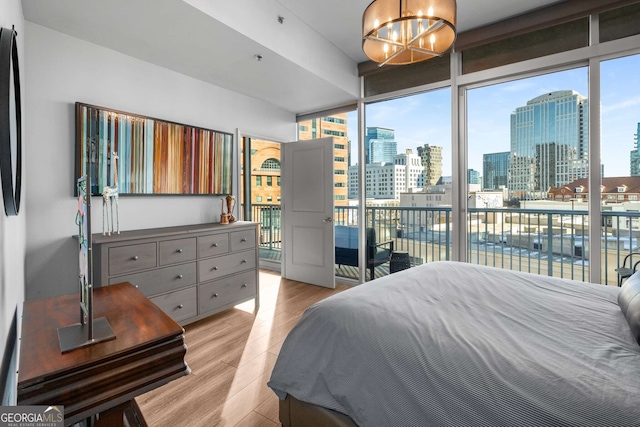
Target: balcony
column 547, row 242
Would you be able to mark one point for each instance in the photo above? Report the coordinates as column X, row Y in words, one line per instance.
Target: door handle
column 328, row 219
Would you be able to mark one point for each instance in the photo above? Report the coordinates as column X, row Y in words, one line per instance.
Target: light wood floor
column 231, row 356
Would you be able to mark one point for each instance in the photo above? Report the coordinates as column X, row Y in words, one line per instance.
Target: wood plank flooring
column 231, row 355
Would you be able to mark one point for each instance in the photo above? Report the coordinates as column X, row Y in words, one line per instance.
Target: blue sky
column 426, row 118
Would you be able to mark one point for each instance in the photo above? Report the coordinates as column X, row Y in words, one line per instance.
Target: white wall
column 12, row 229
column 63, row 70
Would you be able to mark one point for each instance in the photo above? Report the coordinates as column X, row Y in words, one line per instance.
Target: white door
column 307, row 212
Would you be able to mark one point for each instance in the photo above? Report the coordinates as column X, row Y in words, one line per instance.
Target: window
column 271, row 164
column 524, row 136
column 278, row 181
column 269, row 181
column 269, row 198
column 333, row 132
column 258, row 199
column 620, row 89
column 331, row 119
column 258, row 181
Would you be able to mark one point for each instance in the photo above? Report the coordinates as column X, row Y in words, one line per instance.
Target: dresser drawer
column 161, row 280
column 213, row 268
column 179, row 250
column 124, row 259
column 225, row 291
column 180, row 305
column 213, row 244
column 241, row 240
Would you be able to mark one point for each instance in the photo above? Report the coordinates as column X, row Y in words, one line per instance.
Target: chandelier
column 401, row 32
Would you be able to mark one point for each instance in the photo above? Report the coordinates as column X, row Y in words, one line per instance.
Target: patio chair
column 628, row 266
column 346, row 250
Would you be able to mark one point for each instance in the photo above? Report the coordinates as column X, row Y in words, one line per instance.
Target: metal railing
column 549, row 242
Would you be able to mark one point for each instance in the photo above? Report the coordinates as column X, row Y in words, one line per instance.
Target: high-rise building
column 332, row 126
column 473, row 176
column 380, row 145
column 431, row 156
column 388, row 180
column 549, row 143
column 635, row 155
column 413, row 170
column 495, row 170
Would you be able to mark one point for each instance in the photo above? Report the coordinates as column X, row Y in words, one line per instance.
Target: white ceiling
column 309, row 61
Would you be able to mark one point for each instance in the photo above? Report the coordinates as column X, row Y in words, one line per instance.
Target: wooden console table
column 148, row 351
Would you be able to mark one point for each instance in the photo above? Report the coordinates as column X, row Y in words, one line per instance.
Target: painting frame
column 155, row 156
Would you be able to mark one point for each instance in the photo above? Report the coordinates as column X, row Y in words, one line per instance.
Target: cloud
column 627, row 103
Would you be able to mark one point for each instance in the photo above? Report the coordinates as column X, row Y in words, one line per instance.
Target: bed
column 457, row 344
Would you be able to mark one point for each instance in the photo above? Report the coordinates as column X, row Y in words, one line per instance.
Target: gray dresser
column 190, row 272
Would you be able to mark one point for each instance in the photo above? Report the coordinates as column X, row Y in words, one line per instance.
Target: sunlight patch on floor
column 254, row 360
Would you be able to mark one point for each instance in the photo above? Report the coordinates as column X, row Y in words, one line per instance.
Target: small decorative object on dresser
column 109, row 196
column 190, row 272
column 224, row 218
column 231, row 202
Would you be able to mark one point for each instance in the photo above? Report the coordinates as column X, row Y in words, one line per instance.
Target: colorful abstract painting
column 154, row 156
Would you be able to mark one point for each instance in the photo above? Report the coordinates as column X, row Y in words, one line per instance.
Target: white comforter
column 457, row 344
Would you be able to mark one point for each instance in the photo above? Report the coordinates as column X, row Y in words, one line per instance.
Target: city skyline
column 490, row 109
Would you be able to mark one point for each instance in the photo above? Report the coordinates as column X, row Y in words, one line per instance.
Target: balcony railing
column 548, row 242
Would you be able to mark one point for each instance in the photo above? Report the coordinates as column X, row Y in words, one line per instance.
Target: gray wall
column 12, row 229
column 63, row 70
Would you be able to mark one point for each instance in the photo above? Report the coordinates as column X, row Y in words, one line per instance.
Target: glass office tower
column 380, row 145
column 549, row 144
column 495, row 170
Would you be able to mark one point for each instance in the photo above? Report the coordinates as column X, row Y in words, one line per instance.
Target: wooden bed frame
column 295, row 413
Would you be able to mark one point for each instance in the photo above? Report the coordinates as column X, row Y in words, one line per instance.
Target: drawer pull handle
column 244, row 261
column 179, row 251
column 180, row 306
column 214, row 268
column 135, row 258
column 244, row 285
column 215, row 245
column 137, row 286
column 179, row 276
column 215, row 295
column 243, row 240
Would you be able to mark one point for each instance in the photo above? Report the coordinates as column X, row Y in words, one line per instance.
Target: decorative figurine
column 231, row 202
column 109, row 195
